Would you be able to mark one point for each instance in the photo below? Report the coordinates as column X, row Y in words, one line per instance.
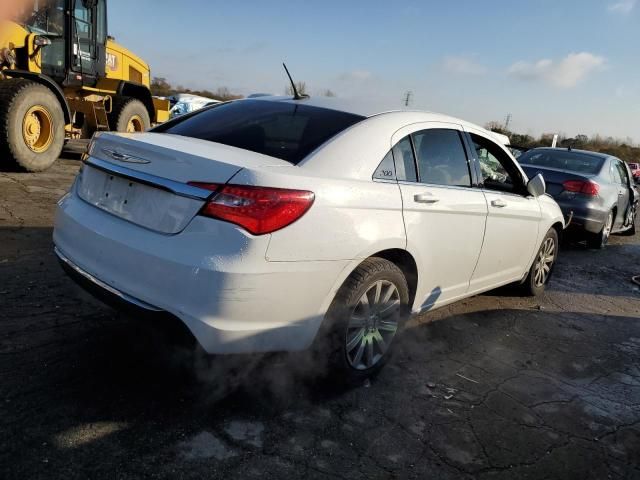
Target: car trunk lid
column 144, row 178
column 555, row 178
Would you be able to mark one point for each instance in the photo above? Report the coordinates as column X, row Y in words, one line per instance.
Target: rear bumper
column 583, row 218
column 212, row 276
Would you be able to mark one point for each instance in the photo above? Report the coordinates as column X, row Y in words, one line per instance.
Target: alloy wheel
column 373, row 325
column 544, row 262
column 606, row 231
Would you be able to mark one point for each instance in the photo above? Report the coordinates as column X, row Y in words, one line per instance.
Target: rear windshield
column 563, row 160
column 279, row 129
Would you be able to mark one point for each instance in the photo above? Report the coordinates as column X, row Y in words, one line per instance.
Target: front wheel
column 364, row 319
column 31, row 125
column 543, row 264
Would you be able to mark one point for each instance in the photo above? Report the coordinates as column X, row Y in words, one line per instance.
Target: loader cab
column 77, row 30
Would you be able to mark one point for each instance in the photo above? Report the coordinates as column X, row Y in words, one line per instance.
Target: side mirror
column 537, row 186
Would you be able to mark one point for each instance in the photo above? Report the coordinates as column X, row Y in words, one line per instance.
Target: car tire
column 543, row 264
column 31, row 125
column 358, row 340
column 129, row 115
column 599, row 240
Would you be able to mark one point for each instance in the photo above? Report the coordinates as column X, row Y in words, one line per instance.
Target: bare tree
column 300, row 86
column 328, row 93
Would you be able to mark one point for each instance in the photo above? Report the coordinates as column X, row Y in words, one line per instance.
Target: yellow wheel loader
column 62, row 77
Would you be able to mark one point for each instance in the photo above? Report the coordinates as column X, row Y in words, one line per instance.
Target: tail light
column 259, row 210
column 585, row 187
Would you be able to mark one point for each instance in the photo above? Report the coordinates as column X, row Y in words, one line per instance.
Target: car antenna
column 296, row 95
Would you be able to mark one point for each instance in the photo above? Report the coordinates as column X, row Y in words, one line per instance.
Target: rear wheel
column 364, row 319
column 129, row 115
column 543, row 264
column 599, row 240
column 31, row 125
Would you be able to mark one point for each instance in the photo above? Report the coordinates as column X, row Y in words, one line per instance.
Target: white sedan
column 275, row 224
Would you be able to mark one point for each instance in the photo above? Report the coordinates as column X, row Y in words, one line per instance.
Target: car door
column 444, row 214
column 511, row 233
column 623, row 185
column 84, row 40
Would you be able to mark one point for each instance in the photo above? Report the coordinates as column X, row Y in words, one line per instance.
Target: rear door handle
column 499, row 203
column 425, row 198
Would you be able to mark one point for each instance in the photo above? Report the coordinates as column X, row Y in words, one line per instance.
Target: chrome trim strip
column 101, row 284
column 172, row 186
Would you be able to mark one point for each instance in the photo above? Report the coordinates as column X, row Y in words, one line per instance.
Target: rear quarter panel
column 349, row 219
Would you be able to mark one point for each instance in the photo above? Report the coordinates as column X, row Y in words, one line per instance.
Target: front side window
column 497, row 169
column 441, row 157
column 47, row 18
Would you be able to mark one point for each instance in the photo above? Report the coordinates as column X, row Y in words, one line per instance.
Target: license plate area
column 139, row 203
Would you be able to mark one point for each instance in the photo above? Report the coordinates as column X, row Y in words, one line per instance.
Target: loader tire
column 129, row 115
column 31, row 126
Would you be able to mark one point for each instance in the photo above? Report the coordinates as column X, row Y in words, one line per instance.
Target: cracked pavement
column 493, row 387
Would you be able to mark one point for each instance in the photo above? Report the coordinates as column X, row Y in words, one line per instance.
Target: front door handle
column 499, row 203
column 425, row 198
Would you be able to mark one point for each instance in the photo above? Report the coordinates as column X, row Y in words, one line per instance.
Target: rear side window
column 386, row 170
column 615, row 173
column 624, row 177
column 284, row 130
column 442, row 159
column 404, row 161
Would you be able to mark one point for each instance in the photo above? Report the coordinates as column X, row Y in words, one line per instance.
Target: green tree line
column 623, row 149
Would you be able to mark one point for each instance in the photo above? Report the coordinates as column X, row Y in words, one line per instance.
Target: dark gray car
column 597, row 190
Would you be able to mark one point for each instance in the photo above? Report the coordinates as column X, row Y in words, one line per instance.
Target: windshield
column 577, row 162
column 46, row 18
column 284, row 130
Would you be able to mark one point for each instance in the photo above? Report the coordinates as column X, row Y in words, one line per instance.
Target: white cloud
column 623, row 6
column 565, row 73
column 463, row 65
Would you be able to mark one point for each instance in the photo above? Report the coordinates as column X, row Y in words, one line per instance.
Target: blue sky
column 570, row 66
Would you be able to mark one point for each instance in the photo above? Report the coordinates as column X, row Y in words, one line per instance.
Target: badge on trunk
column 124, row 157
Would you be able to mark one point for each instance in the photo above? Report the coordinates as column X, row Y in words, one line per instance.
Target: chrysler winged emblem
column 124, row 157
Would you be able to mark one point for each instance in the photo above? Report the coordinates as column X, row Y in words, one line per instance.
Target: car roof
column 573, row 150
column 373, row 107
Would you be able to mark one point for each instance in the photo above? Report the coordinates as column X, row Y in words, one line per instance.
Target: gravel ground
column 493, row 387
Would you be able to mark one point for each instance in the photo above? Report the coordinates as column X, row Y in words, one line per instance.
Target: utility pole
column 507, row 121
column 407, row 98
